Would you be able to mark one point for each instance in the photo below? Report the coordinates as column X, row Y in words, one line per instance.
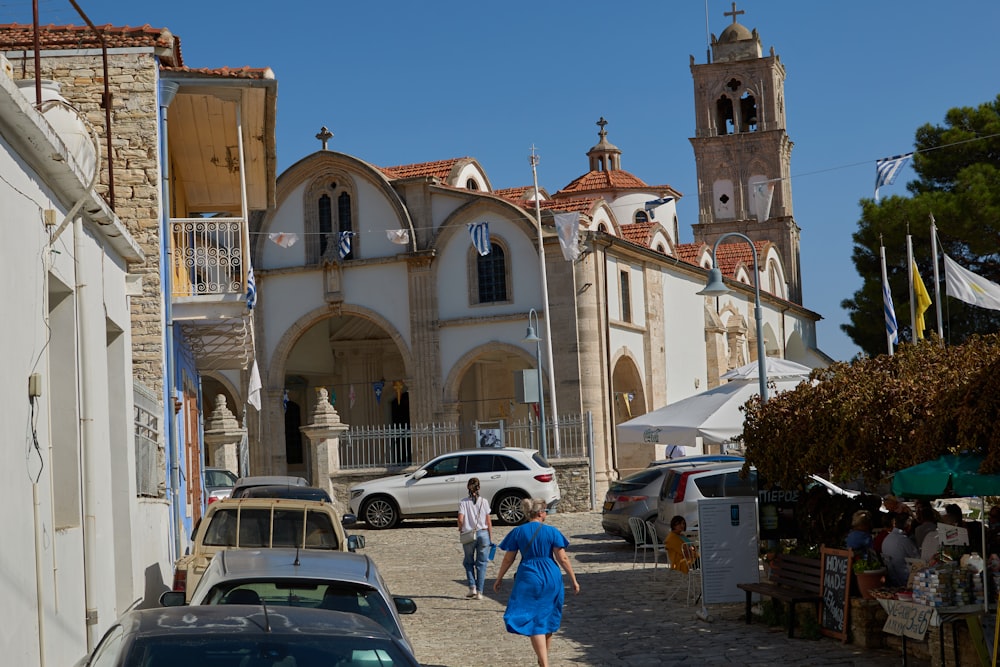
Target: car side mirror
column 420, row 474
column 405, row 605
column 172, row 599
column 348, row 520
column 355, row 542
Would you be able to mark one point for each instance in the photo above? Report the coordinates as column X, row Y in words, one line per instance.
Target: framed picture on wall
column 489, row 434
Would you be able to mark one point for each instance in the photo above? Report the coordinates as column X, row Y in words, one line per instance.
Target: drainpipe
column 93, row 476
column 167, row 91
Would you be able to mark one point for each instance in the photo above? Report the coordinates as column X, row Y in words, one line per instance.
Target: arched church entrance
column 359, row 364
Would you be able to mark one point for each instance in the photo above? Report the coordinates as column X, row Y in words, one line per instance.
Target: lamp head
column 715, row 286
column 530, row 336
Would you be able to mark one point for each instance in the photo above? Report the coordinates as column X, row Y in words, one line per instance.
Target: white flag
column 284, row 239
column 763, row 191
column 969, row 287
column 398, row 236
column 568, row 226
column 253, row 392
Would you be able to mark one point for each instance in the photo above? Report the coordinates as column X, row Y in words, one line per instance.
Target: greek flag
column 890, row 315
column 251, row 288
column 480, row 232
column 887, row 169
column 650, row 205
column 345, row 244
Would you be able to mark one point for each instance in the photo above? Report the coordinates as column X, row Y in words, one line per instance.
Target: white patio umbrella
column 712, row 415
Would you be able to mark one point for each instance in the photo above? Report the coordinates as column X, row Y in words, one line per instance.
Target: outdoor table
column 912, row 619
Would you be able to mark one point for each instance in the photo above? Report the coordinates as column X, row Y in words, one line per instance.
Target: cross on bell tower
column 324, row 136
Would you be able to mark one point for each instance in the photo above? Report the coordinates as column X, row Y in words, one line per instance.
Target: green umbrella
column 953, row 475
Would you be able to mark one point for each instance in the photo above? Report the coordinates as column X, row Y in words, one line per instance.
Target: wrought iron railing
column 208, row 256
column 402, row 446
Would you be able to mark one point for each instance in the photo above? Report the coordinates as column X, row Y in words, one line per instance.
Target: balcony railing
column 208, row 256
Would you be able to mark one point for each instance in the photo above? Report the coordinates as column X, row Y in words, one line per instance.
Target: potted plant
column 869, row 573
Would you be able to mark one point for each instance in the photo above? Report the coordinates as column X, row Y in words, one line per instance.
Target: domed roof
column 735, row 32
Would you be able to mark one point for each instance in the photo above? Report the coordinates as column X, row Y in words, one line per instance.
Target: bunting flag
column 397, row 386
column 650, row 205
column 332, row 396
column 568, row 226
column 378, row 387
column 923, row 300
column 253, row 391
column 887, row 169
column 345, row 244
column 480, row 232
column 352, row 396
column 284, row 239
column 398, row 236
column 970, row 287
column 251, row 287
column 891, row 326
column 284, row 401
column 763, row 192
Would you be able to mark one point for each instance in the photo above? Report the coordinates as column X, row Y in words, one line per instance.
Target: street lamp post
column 716, row 287
column 532, row 337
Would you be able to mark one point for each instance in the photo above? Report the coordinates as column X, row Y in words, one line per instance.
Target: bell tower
column 741, row 148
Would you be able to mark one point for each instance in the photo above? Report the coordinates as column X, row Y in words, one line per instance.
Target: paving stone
column 621, row 617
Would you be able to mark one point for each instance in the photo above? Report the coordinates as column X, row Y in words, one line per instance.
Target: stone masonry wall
column 133, row 81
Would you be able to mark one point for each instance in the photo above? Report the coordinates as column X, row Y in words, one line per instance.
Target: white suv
column 683, row 487
column 507, row 475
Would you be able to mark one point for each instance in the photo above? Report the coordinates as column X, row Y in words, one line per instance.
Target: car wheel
column 379, row 513
column 508, row 509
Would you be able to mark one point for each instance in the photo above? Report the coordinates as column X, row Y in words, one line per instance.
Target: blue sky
column 400, row 82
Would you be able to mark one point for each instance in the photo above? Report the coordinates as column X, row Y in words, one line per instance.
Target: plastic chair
column 693, row 573
column 644, row 539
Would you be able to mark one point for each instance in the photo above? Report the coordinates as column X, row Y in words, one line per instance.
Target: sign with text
column 836, row 578
column 727, row 533
column 907, row 619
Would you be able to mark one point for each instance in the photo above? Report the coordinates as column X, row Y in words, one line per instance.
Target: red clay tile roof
column 20, row 37
column 689, row 252
column 729, row 256
column 440, row 169
column 245, row 72
column 515, row 194
column 571, row 205
column 603, row 180
column 640, row 233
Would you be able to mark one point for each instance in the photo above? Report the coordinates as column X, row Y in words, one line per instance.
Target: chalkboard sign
column 836, row 592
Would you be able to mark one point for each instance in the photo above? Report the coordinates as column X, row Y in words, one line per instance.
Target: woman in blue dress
column 535, row 605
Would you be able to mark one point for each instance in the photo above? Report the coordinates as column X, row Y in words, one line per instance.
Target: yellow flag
column 923, row 301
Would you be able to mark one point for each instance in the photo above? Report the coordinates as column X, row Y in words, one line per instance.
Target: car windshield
column 304, row 651
column 255, row 529
column 318, row 594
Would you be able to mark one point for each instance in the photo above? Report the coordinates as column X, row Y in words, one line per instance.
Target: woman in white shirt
column 476, row 530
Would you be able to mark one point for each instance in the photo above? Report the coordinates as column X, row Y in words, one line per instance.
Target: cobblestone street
column 621, row 616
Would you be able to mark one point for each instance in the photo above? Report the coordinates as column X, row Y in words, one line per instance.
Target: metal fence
column 401, row 446
column 147, row 438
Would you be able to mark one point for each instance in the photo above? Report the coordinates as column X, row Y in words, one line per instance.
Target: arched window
column 324, row 221
column 640, row 216
column 490, row 275
column 471, row 184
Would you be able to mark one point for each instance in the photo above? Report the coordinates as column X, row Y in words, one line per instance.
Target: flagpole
column 913, row 300
column 937, row 281
column 545, row 308
column 885, row 286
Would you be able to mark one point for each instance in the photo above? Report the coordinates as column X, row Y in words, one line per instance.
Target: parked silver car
column 507, row 475
column 219, row 484
column 636, row 495
column 300, row 578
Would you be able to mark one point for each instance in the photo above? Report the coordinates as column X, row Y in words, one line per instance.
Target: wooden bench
column 794, row 579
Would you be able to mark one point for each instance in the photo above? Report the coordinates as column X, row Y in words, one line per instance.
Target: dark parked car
column 282, row 491
column 237, row 635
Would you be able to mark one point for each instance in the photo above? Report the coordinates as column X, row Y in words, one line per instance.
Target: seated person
column 974, row 528
column 860, row 537
column 676, row 545
column 927, row 523
column 896, row 548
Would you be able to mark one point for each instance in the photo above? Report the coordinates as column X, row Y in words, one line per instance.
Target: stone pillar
column 323, row 433
column 222, row 437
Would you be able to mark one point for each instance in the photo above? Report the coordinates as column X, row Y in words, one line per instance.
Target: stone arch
column 461, row 366
column 626, row 378
column 455, row 222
